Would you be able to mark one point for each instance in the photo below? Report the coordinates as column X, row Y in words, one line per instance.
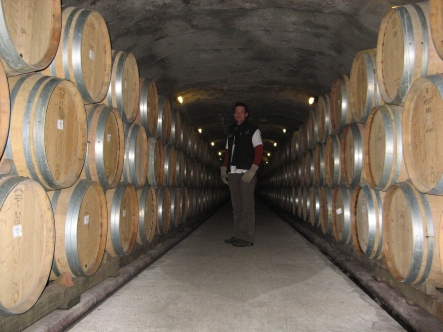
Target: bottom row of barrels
column 46, row 234
column 401, row 226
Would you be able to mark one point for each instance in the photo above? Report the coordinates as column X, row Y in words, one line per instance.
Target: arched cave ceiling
column 271, row 54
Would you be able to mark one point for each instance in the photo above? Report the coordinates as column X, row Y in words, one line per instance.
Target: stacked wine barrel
column 366, row 166
column 92, row 159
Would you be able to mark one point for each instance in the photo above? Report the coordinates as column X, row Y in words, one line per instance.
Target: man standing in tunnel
column 245, row 151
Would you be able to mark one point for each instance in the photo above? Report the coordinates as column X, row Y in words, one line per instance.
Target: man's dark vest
column 244, row 151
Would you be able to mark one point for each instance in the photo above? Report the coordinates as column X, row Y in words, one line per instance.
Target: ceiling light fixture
column 180, row 99
column 284, row 130
column 275, row 144
column 199, row 130
column 212, row 143
column 311, row 100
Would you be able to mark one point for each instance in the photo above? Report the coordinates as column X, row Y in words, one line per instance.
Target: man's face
column 240, row 114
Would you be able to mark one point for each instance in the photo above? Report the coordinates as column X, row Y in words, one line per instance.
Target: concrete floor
column 282, row 283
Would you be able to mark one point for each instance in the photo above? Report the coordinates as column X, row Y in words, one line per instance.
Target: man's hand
column 247, row 177
column 224, row 174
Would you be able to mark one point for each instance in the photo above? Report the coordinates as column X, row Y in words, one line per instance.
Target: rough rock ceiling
column 271, row 54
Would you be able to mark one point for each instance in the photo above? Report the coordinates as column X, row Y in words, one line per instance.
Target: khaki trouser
column 243, row 205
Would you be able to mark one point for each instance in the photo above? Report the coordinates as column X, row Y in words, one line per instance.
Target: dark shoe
column 242, row 243
column 231, row 240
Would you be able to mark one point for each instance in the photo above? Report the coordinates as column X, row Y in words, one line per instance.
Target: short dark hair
column 242, row 104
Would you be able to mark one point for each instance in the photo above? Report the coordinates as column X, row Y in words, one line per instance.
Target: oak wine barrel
column 136, row 157
column 124, row 89
column 155, row 162
column 5, row 109
column 319, row 165
column 306, row 203
column 176, row 129
column 340, row 112
column 169, row 165
column 123, row 214
column 366, row 221
column 81, row 228
column 341, row 214
column 364, row 93
column 436, row 12
column 422, row 134
column 30, row 34
column 84, row 53
column 325, row 217
column 147, row 114
column 106, row 148
column 333, row 175
column 351, row 155
column 405, row 51
column 314, row 206
column 383, row 148
column 27, row 237
column 47, row 137
column 164, row 119
column 163, row 210
column 411, row 234
column 313, row 138
column 147, row 214
column 324, row 118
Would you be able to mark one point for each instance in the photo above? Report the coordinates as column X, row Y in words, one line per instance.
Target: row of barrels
column 67, row 231
column 407, row 48
column 395, row 144
column 54, row 140
column 95, row 159
column 379, row 144
column 401, row 227
column 365, row 168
